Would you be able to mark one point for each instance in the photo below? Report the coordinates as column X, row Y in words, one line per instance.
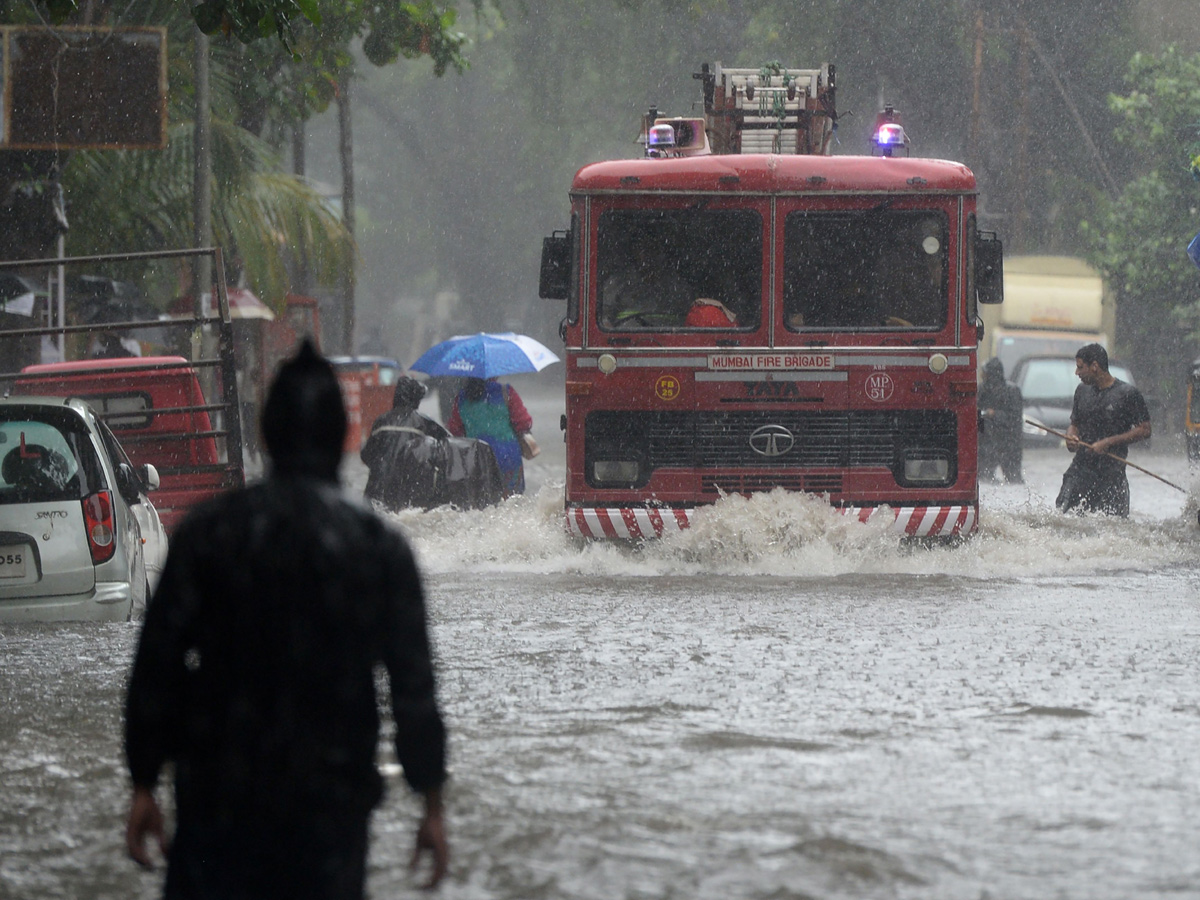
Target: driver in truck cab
column 646, row 291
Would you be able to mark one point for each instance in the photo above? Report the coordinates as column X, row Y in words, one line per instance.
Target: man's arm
column 420, row 732
column 454, row 424
column 154, row 699
column 518, row 415
column 431, row 837
column 145, row 821
column 1139, row 432
column 1073, row 442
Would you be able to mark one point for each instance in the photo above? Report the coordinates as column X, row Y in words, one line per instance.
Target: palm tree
column 142, row 200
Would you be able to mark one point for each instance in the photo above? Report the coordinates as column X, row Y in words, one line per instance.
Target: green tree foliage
column 1139, row 240
column 284, row 82
column 387, row 29
column 122, row 200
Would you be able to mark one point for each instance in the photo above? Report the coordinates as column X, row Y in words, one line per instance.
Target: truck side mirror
column 989, row 268
column 554, row 280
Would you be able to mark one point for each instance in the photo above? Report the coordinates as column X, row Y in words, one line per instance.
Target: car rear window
column 45, row 454
column 1055, row 379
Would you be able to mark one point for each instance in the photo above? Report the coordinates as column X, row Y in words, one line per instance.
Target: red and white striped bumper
column 642, row 523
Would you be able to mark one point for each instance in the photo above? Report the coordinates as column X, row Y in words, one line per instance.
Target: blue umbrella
column 484, row 356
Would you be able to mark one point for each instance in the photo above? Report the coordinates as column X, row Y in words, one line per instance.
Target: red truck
column 746, row 312
column 157, row 409
column 175, row 406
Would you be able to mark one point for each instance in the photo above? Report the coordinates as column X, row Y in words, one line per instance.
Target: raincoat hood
column 408, row 394
column 303, row 420
column 994, row 370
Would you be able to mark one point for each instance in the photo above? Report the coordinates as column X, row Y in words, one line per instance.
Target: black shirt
column 255, row 670
column 1102, row 412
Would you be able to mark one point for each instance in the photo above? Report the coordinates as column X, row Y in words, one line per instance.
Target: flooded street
column 779, row 703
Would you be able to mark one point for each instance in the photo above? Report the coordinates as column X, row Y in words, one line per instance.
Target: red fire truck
column 746, row 312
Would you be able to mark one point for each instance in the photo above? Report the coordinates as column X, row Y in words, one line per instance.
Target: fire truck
column 747, row 312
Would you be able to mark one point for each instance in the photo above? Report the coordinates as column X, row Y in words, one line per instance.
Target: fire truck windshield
column 865, row 271
column 679, row 269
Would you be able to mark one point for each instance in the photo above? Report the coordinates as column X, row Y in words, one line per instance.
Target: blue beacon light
column 889, row 134
column 660, row 140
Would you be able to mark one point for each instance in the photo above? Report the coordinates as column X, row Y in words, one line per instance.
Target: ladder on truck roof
column 770, row 109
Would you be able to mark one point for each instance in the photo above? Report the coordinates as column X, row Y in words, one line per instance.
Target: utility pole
column 299, row 169
column 201, row 174
column 1021, row 220
column 346, row 146
column 976, row 75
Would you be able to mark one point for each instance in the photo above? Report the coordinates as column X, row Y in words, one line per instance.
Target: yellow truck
column 1053, row 305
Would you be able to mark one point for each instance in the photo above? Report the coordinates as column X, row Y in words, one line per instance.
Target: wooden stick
column 1105, row 453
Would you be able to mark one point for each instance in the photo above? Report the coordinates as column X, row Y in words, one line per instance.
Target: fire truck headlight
column 926, row 467
column 624, row 471
column 938, row 363
column 607, row 363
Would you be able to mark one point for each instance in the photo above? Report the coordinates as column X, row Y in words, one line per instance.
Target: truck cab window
column 876, row 270
column 679, row 270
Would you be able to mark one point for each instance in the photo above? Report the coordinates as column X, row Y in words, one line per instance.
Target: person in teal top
column 495, row 414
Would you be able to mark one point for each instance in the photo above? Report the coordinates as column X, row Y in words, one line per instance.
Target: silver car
column 79, row 538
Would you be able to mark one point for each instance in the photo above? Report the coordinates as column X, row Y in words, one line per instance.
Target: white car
column 79, row 538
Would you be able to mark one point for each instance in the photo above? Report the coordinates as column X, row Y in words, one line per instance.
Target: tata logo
column 772, row 440
column 772, row 389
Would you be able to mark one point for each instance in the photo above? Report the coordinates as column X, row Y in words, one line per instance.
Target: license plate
column 12, row 562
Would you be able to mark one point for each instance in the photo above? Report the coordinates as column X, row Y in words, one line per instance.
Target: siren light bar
column 667, row 137
column 889, row 135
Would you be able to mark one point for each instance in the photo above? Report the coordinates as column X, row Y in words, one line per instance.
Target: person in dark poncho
column 1001, row 411
column 402, row 453
column 414, row 461
column 255, row 675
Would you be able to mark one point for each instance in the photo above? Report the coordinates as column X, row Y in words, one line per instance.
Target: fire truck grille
column 749, row 484
column 778, row 438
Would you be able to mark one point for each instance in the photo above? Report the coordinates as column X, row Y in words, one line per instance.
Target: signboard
column 80, row 88
column 780, row 359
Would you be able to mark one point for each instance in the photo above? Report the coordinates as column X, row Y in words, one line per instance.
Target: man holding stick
column 1107, row 416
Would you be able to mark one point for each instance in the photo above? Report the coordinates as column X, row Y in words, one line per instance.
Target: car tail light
column 98, row 519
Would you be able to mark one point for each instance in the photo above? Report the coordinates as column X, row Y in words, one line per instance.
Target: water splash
column 794, row 535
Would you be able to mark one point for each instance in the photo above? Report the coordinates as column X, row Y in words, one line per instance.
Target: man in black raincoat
column 402, row 453
column 255, row 675
column 414, row 461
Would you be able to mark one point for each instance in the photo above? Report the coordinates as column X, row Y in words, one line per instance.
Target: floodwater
column 779, row 703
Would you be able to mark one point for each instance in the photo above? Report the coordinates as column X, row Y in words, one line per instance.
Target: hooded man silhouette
column 304, row 420
column 254, row 674
column 1001, row 412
